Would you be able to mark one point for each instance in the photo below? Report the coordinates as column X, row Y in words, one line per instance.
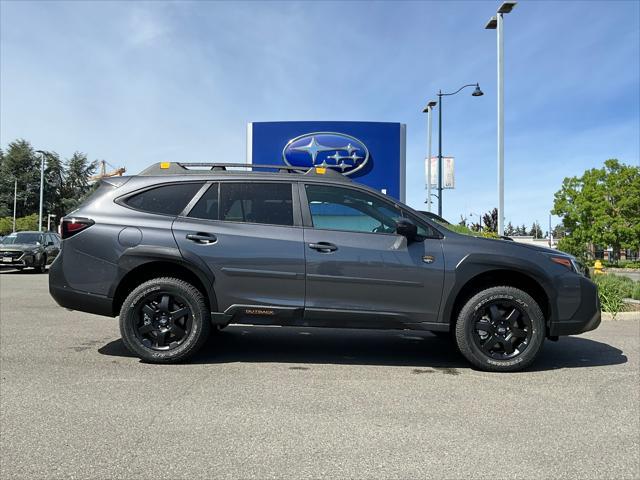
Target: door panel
column 355, row 261
column 252, row 264
column 255, row 253
column 375, row 272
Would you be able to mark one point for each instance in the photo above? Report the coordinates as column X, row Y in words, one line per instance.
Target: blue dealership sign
column 372, row 153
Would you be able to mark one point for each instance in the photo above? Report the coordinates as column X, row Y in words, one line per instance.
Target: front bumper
column 587, row 316
column 13, row 261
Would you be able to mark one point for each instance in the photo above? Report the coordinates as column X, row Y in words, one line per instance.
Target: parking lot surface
column 302, row 403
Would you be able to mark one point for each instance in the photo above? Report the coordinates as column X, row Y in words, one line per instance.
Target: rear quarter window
column 165, row 199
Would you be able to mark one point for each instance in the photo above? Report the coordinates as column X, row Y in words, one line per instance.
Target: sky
column 135, row 83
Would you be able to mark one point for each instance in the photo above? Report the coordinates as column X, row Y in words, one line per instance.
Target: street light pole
column 15, row 198
column 476, row 93
column 428, row 109
column 495, row 23
column 440, row 154
column 500, row 126
column 42, row 154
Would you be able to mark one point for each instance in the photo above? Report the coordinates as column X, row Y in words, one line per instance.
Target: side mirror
column 407, row 229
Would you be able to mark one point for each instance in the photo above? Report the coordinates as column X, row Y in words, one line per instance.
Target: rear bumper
column 587, row 317
column 72, row 299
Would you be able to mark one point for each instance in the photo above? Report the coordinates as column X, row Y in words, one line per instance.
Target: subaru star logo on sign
column 372, row 153
column 343, row 152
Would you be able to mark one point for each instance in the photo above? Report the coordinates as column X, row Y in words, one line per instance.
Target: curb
column 621, row 316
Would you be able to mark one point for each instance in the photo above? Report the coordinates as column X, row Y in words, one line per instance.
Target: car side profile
column 36, row 250
column 183, row 249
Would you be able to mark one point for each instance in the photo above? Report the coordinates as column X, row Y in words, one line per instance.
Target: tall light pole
column 476, row 93
column 15, row 199
column 42, row 154
column 495, row 23
column 427, row 110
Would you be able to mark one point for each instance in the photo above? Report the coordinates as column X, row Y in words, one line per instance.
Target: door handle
column 323, row 247
column 203, row 238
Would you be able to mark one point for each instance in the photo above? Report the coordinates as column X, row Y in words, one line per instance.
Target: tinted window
column 165, row 200
column 339, row 208
column 207, row 206
column 269, row 203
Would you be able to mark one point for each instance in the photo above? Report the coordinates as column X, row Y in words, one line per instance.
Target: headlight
column 570, row 263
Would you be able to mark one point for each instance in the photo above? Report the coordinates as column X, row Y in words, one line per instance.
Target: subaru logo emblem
column 342, row 152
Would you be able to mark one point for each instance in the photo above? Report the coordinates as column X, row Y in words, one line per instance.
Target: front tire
column 500, row 329
column 165, row 320
column 42, row 268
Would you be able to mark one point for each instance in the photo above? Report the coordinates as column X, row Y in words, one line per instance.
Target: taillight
column 72, row 225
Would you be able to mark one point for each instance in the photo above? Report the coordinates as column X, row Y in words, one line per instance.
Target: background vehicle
column 29, row 249
column 175, row 250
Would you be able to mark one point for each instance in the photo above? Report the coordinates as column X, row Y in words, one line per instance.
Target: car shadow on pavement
column 370, row 347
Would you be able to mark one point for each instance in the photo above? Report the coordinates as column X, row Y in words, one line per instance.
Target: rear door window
column 267, row 203
column 207, row 205
column 166, row 199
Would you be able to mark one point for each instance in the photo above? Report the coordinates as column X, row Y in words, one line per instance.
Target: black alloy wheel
column 502, row 329
column 164, row 321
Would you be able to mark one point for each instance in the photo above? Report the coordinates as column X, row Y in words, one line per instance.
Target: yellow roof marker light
column 321, row 170
column 165, row 165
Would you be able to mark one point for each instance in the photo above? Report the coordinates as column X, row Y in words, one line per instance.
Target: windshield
column 15, row 238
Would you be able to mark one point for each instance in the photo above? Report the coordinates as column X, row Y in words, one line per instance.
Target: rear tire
column 500, row 329
column 165, row 320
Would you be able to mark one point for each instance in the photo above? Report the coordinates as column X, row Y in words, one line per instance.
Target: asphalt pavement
column 265, row 402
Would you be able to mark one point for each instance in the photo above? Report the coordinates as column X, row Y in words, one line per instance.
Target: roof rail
column 203, row 168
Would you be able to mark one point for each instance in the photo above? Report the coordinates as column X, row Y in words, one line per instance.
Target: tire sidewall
column 465, row 329
column 128, row 322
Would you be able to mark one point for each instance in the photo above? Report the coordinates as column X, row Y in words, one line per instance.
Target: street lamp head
column 430, row 105
column 477, row 92
column 506, row 7
column 492, row 24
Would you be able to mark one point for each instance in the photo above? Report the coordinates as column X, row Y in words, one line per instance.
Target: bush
column 612, row 289
column 23, row 223
column 621, row 264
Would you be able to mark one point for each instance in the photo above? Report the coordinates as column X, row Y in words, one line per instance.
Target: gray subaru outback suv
column 179, row 251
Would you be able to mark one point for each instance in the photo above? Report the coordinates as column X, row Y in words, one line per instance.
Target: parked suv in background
column 177, row 250
column 29, row 249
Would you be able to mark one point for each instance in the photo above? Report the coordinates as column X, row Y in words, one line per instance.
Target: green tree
column 490, row 221
column 510, row 230
column 20, row 163
column 76, row 184
column 535, row 231
column 53, row 185
column 602, row 207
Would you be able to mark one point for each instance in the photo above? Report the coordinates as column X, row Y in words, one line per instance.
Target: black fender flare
column 137, row 256
column 475, row 264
